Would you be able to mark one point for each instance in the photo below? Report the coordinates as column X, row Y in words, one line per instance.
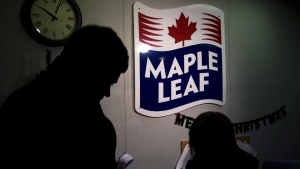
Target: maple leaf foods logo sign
column 179, row 58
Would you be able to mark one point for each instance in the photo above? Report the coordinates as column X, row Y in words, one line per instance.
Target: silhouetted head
column 211, row 133
column 92, row 60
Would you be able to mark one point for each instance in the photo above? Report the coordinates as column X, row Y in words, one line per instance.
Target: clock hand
column 57, row 9
column 53, row 16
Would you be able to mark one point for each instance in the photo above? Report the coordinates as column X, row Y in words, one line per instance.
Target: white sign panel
column 179, row 58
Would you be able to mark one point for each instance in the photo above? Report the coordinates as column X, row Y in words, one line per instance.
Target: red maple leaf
column 184, row 30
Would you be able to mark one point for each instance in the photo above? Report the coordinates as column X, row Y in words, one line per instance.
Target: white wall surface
column 262, row 71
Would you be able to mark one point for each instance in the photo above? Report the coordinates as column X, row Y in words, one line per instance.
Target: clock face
column 51, row 22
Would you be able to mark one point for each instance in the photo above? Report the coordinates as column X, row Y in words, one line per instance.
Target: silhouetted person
column 56, row 120
column 213, row 146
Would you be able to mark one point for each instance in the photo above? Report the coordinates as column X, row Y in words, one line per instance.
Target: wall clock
column 51, row 22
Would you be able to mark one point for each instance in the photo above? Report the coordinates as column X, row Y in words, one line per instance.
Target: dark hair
column 211, row 133
column 96, row 46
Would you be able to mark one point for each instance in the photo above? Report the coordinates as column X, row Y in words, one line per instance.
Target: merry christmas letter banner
column 179, row 58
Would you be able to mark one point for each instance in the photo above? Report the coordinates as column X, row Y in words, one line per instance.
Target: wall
column 262, row 42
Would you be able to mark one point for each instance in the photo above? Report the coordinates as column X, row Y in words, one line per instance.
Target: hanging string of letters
column 239, row 127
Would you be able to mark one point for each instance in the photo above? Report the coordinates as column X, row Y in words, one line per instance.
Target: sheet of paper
column 124, row 161
column 246, row 147
column 184, row 158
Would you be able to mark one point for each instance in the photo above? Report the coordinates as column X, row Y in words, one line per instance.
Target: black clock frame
column 31, row 30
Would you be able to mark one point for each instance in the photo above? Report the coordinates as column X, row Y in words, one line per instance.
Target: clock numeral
column 46, row 2
column 36, row 15
column 71, row 18
column 68, row 26
column 68, row 10
column 54, row 34
column 45, row 31
column 63, row 33
column 38, row 24
column 53, row 1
